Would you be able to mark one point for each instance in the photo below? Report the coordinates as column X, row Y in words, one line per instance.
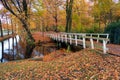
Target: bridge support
column 98, row 38
column 84, row 46
column 66, row 38
column 104, row 47
column 70, row 39
column 92, row 44
column 76, row 40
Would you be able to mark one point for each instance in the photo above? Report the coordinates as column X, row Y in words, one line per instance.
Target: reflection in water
column 9, row 48
column 37, row 53
column 14, row 49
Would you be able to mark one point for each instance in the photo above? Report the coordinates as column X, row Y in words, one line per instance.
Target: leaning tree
column 20, row 9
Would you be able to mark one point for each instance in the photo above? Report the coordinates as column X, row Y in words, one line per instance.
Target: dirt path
column 114, row 49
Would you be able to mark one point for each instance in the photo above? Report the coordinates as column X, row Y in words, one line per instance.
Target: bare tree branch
column 6, row 5
column 18, row 9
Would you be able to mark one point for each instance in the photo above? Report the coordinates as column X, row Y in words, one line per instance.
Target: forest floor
column 86, row 64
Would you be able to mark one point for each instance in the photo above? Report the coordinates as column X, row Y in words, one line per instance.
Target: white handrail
column 75, row 37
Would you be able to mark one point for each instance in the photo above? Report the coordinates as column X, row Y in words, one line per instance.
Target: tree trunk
column 29, row 49
column 7, row 25
column 56, row 20
column 99, row 23
column 9, row 46
column 2, row 51
column 69, row 15
column 16, row 44
column 99, row 26
column 30, row 42
column 1, row 29
column 2, row 43
column 56, row 24
column 13, row 48
column 12, row 26
column 111, row 16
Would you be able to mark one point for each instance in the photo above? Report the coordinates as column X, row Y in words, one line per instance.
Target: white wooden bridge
column 84, row 39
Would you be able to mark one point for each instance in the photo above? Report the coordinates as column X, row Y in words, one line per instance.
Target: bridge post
column 76, row 40
column 70, row 39
column 92, row 44
column 98, row 38
column 53, row 36
column 62, row 37
column 66, row 38
column 84, row 46
column 107, row 38
column 58, row 37
column 104, row 47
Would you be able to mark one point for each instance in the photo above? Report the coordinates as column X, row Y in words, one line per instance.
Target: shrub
column 114, row 30
column 61, row 28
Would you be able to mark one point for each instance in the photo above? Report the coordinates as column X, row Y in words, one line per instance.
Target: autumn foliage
column 85, row 64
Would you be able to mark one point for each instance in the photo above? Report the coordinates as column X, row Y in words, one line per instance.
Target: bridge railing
column 82, row 38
